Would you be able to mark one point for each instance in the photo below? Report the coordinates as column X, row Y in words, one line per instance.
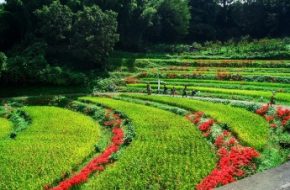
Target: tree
column 94, row 35
column 203, row 20
column 54, row 22
column 174, row 17
column 3, row 60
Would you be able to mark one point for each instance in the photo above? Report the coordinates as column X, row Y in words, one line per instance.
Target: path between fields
column 274, row 179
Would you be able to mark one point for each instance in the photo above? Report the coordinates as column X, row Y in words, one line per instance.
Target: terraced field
column 167, row 153
column 249, row 128
column 139, row 141
column 253, row 80
column 56, row 142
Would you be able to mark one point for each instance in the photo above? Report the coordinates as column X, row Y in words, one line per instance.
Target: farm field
column 55, row 143
column 132, row 140
column 250, row 80
column 144, row 95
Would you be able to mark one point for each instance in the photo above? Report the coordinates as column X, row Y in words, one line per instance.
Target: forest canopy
column 55, row 37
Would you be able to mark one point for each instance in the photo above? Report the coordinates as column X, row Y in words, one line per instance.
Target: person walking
column 272, row 99
column 184, row 92
column 149, row 89
column 173, row 91
column 165, row 89
column 193, row 92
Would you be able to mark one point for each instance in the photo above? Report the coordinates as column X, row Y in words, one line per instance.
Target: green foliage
column 57, row 19
column 174, row 18
column 26, row 66
column 20, row 120
column 249, row 128
column 163, row 140
column 3, row 60
column 54, row 143
column 94, row 35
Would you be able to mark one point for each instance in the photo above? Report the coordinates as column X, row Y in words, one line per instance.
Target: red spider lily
column 229, row 166
column 269, row 118
column 263, row 110
column 233, row 156
column 273, row 125
column 226, row 133
column 219, row 141
column 206, row 125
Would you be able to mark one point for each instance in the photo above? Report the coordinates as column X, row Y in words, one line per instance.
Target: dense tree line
column 44, row 40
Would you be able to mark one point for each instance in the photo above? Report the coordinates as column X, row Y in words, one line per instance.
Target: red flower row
column 281, row 115
column 99, row 162
column 233, row 157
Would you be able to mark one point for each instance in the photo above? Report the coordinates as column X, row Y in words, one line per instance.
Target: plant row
column 282, row 97
column 98, row 163
column 56, row 141
column 213, row 63
column 235, row 160
column 263, row 86
column 167, row 152
column 253, row 77
column 225, row 69
column 248, row 127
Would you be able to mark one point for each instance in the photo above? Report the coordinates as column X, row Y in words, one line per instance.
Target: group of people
column 193, row 92
column 173, row 90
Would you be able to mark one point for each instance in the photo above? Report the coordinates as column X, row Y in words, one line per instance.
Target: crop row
column 210, row 73
column 241, row 83
column 214, row 63
column 218, row 76
column 223, row 84
column 225, row 69
column 283, row 97
column 167, row 152
column 248, row 127
column 232, row 163
column 5, row 128
column 56, row 141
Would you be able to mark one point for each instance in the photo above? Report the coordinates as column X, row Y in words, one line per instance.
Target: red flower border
column 98, row 163
column 233, row 157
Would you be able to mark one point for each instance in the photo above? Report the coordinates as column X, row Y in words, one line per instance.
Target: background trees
column 80, row 34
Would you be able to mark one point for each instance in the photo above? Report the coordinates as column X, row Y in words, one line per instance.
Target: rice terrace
column 145, row 95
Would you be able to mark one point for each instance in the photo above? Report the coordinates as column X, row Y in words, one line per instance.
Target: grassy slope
column 5, row 128
column 167, row 152
column 250, row 128
column 55, row 142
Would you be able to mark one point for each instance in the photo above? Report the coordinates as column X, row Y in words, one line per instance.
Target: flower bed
column 235, row 160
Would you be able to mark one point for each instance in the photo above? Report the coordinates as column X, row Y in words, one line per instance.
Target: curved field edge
column 251, row 129
column 5, row 127
column 167, row 152
column 56, row 142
